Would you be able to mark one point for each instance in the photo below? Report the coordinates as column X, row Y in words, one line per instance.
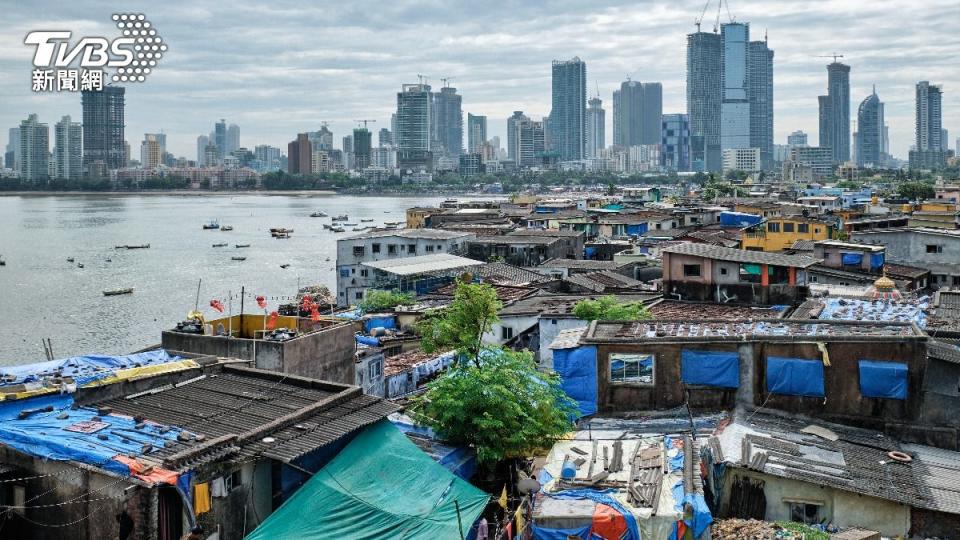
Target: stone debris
column 751, row 529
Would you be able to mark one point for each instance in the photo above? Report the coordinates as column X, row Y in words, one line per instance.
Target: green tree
column 608, row 308
column 378, row 300
column 916, row 191
column 461, row 325
column 503, row 408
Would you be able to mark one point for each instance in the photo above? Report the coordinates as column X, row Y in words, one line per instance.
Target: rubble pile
column 752, row 529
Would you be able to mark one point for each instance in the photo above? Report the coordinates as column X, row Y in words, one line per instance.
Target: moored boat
column 226, row 228
column 341, row 217
column 366, row 220
column 221, row 244
column 318, row 214
column 214, row 224
column 238, row 258
column 241, row 246
column 117, row 292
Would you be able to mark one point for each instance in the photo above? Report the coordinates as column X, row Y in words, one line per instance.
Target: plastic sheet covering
column 738, row 219
column 795, row 376
column 45, row 434
column 674, row 463
column 460, row 460
column 577, row 368
column 352, row 315
column 710, row 368
column 699, row 519
column 639, row 228
column 83, row 369
column 852, row 258
column 380, row 486
column 368, row 340
column 603, row 496
column 877, row 260
column 544, row 533
column 388, row 322
column 883, row 379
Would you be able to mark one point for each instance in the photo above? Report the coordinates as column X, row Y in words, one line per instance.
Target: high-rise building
column 637, row 112
column 704, row 100
column 929, row 146
column 300, row 155
column 34, row 159
column 675, row 142
column 413, row 131
column 362, row 143
column 68, row 149
column 741, row 159
column 945, row 137
column 384, row 137
column 797, row 138
column 513, row 123
column 530, row 143
column 202, row 142
column 596, row 132
column 568, row 117
column 835, row 112
column 233, row 138
column 13, row 149
column 476, row 132
column 321, row 140
column 735, row 103
column 448, row 122
column 760, row 95
column 220, row 138
column 151, row 151
column 211, row 155
column 103, row 124
column 869, row 147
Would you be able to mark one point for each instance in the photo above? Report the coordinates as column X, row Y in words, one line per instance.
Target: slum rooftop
column 435, row 234
column 675, row 309
column 559, row 305
column 740, row 255
column 409, row 266
column 765, row 329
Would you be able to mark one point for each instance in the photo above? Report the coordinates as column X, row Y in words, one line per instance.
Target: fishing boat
column 285, row 266
column 280, row 235
column 280, row 229
column 226, row 228
column 238, row 258
column 318, row 214
column 238, row 246
column 350, row 224
column 69, row 259
column 221, row 244
column 117, row 292
column 366, row 220
column 2, row 262
column 360, row 229
column 214, row 224
column 137, row 246
column 341, row 217
column 338, row 229
column 327, row 226
column 79, row 265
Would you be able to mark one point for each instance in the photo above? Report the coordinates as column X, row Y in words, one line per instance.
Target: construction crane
column 364, row 121
column 422, row 78
column 699, row 19
column 446, row 82
column 834, row 56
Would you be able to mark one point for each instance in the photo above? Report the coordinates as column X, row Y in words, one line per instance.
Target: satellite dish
column 528, row 486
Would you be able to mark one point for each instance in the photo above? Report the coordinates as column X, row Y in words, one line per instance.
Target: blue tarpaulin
column 604, row 497
column 83, row 369
column 674, row 463
column 353, row 314
column 738, row 219
column 701, row 517
column 383, row 321
column 876, row 261
column 577, row 368
column 852, row 259
column 637, row 228
column 795, row 376
column 543, row 533
column 710, row 368
column 883, row 379
column 368, row 340
column 589, row 253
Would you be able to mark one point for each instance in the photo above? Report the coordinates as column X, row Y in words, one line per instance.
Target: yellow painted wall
column 776, row 241
column 416, row 219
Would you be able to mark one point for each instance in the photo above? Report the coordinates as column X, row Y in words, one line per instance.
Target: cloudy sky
column 280, row 67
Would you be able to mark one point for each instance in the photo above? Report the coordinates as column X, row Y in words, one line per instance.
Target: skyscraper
column 835, row 112
column 596, row 133
column 220, row 138
column 151, row 151
column 322, row 139
column 530, row 143
column 675, row 142
column 797, row 138
column 929, row 146
column 385, row 137
column 704, row 100
column 637, row 112
column 568, row 117
column 68, row 149
column 760, row 95
column 362, row 143
column 233, row 138
column 735, row 103
column 34, row 159
column 448, row 121
column 413, row 132
column 300, row 155
column 103, row 124
column 513, row 124
column 202, row 142
column 13, row 149
column 870, row 132
column 476, row 132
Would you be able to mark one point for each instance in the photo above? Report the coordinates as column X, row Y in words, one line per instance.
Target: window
column 353, row 271
column 344, row 272
column 816, row 230
column 750, row 273
column 391, row 249
column 358, row 251
column 691, row 270
column 934, row 248
column 773, row 226
column 233, row 480
column 364, row 272
column 375, row 368
column 787, row 227
column 358, row 295
column 723, row 271
column 803, row 227
column 430, row 248
column 506, row 332
column 631, row 368
column 412, row 248
column 440, row 248
column 806, row 513
column 375, row 248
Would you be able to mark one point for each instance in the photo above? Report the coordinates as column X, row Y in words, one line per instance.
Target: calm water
column 43, row 295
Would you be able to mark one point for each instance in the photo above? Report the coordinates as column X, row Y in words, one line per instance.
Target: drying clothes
column 218, row 488
column 201, row 498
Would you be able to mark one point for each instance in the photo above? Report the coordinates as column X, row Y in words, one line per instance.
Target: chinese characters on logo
column 67, row 80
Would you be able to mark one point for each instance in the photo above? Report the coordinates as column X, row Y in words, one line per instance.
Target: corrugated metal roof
column 741, row 255
column 408, row 266
column 430, row 234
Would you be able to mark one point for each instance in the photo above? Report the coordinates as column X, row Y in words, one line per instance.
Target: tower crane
column 365, row 121
column 833, row 55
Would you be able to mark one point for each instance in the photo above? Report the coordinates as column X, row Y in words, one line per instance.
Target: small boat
column 2, row 262
column 360, row 229
column 280, row 229
column 281, row 235
column 117, row 292
column 140, row 246
column 366, row 220
column 318, row 214
column 238, row 246
column 338, row 229
column 79, row 265
column 69, row 259
column 238, row 258
column 226, row 228
column 350, row 224
column 341, row 217
column 328, row 259
column 285, row 266
column 327, row 226
column 212, row 225
column 221, row 244
column 109, row 260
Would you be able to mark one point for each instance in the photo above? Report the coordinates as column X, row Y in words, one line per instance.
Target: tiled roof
column 507, row 274
column 741, row 255
column 673, row 309
column 603, row 280
column 553, row 233
column 562, row 305
column 430, row 234
column 765, row 329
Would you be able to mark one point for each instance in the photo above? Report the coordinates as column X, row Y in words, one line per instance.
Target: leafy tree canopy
column 378, row 300
column 608, row 308
column 461, row 325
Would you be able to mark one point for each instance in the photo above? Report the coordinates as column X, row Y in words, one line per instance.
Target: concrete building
column 34, row 159
column 353, row 279
column 470, row 165
column 818, row 158
column 568, row 116
column 870, row 132
column 531, row 142
column 734, row 82
column 447, row 123
column 476, row 133
column 300, row 155
column 233, row 139
column 516, row 250
column 637, row 113
column 929, row 147
column 742, row 159
column 151, row 151
column 760, row 95
column 414, row 128
column 202, row 142
column 512, row 126
column 935, row 249
column 103, row 128
column 12, row 150
column 835, row 113
column 596, row 134
column 362, row 143
column 797, row 138
column 704, row 100
column 68, row 149
column 675, row 142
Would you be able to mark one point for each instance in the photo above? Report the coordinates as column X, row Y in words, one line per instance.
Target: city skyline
column 272, row 93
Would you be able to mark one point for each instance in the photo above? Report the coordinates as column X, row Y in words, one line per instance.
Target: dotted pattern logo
column 147, row 51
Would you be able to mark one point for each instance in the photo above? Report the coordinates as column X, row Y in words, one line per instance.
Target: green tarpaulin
column 380, row 486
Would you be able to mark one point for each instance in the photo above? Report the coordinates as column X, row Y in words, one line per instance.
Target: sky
column 280, row 67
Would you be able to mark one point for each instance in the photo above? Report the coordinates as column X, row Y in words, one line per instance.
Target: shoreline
column 296, row 192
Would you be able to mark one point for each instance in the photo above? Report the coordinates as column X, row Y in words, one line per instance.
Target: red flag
column 314, row 313
column 272, row 321
column 217, row 305
column 262, row 302
column 305, row 303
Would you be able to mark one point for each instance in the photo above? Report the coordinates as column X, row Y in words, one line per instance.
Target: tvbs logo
column 60, row 66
